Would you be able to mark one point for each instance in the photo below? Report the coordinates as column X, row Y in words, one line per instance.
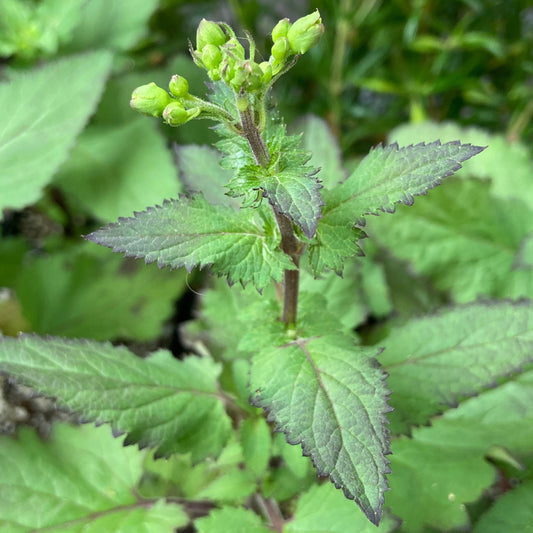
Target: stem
column 289, row 243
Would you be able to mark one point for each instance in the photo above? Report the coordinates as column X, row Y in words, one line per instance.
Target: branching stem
column 289, row 243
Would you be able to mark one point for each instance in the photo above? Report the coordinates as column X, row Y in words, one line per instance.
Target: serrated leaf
column 101, row 296
column 324, row 510
column 190, row 232
column 82, row 479
column 463, row 239
column 48, row 130
column 442, row 467
column 117, row 25
column 231, row 519
column 331, row 398
column 109, row 178
column 158, row 401
column 511, row 512
column 434, row 361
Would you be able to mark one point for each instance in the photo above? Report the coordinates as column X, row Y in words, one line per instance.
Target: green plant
column 268, row 214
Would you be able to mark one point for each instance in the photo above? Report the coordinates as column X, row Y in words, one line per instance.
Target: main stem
column 289, row 243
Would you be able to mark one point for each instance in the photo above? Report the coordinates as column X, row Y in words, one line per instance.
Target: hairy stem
column 289, row 243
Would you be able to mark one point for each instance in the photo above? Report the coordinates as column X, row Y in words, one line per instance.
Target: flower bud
column 211, row 56
column 214, row 74
column 150, row 99
column 280, row 29
column 234, row 49
column 280, row 50
column 209, row 32
column 266, row 68
column 178, row 86
column 175, row 114
column 305, row 33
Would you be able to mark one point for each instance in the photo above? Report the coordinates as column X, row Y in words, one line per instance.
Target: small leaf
column 190, row 232
column 45, row 116
column 158, row 401
column 82, row 479
column 231, row 519
column 434, row 361
column 256, row 444
column 332, row 399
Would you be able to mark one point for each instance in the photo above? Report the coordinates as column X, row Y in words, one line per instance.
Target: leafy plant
column 278, row 215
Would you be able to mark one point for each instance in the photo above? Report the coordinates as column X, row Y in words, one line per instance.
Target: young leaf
column 332, row 399
column 109, row 179
column 82, row 479
column 433, row 361
column 231, row 519
column 442, row 467
column 190, row 232
column 463, row 239
column 45, row 116
column 158, row 401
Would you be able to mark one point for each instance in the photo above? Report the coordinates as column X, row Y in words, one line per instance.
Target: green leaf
column 158, row 401
column 231, row 519
column 324, row 147
column 331, row 398
column 115, row 171
column 324, row 510
column 443, row 467
column 434, row 361
column 508, row 164
column 524, row 256
column 82, row 479
column 101, row 296
column 256, row 444
column 463, row 239
column 118, row 25
column 511, row 512
column 45, row 115
column 189, row 232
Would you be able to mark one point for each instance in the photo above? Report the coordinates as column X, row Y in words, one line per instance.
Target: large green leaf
column 443, row 467
column 81, row 480
column 115, row 171
column 158, row 401
column 190, row 232
column 330, row 397
column 435, row 360
column 463, row 239
column 43, row 114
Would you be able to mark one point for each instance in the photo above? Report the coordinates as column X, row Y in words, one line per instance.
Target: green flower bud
column 175, row 114
column 280, row 29
column 150, row 99
column 234, row 48
column 209, row 32
column 281, row 50
column 211, row 56
column 178, row 86
column 255, row 76
column 305, row 33
column 214, row 74
column 266, row 68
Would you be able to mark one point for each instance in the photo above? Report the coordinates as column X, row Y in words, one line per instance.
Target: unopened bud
column 234, row 49
column 150, row 99
column 178, row 86
column 211, row 56
column 280, row 29
column 266, row 68
column 305, row 33
column 281, row 49
column 209, row 32
column 175, row 114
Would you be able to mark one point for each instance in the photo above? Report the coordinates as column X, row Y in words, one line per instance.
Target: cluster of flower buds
column 175, row 107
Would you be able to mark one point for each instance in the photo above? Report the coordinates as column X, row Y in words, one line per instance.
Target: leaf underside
column 332, row 400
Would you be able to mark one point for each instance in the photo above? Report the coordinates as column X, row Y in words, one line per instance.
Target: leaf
column 256, row 444
column 158, row 401
column 231, row 519
column 82, row 479
column 189, row 232
column 324, row 510
column 326, row 154
column 115, row 171
column 508, row 164
column 331, row 398
column 443, row 467
column 200, row 171
column 511, row 512
column 118, row 25
column 463, row 239
column 524, row 256
column 434, row 361
column 102, row 296
column 48, row 127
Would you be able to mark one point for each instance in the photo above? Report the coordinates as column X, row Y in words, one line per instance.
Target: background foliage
column 73, row 157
